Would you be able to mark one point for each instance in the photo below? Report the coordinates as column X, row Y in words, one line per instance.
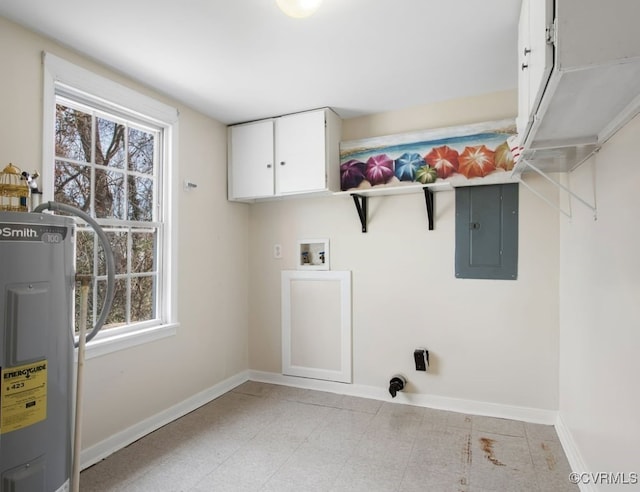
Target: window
column 111, row 156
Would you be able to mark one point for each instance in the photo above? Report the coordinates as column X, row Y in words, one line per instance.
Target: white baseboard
column 101, row 450
column 534, row 415
column 576, row 462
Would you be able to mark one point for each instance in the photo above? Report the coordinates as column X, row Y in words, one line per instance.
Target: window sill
column 110, row 344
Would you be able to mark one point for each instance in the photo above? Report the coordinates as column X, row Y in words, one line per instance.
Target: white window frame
column 65, row 78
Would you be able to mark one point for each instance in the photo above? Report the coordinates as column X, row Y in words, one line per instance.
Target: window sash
column 125, row 281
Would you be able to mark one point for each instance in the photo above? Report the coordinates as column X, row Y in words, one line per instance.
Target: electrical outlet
column 421, row 357
column 277, row 251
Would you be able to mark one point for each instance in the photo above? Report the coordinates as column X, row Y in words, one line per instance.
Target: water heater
column 36, row 351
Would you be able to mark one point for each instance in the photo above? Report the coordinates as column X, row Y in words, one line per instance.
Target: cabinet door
column 524, row 50
column 541, row 16
column 535, row 58
column 251, row 160
column 300, row 153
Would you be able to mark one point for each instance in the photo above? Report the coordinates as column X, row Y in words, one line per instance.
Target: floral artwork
column 457, row 155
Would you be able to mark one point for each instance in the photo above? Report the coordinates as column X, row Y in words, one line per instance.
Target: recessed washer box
column 313, row 254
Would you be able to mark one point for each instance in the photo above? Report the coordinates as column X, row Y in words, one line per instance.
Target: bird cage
column 14, row 191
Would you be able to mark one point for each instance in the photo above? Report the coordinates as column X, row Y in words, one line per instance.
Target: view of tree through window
column 106, row 166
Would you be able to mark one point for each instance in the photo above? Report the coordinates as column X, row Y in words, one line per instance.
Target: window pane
column 118, row 242
column 118, row 314
column 78, row 306
column 84, row 251
column 73, row 134
column 109, row 194
column 141, row 145
column 73, row 185
column 140, row 198
column 143, row 251
column 142, row 295
column 109, row 143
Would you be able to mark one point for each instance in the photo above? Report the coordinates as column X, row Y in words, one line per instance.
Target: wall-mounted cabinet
column 579, row 66
column 287, row 155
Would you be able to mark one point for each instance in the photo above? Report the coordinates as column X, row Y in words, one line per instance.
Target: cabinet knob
column 527, row 51
column 525, row 66
column 282, row 163
column 268, row 166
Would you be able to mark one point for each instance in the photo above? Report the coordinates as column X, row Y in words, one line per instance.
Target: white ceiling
column 240, row 60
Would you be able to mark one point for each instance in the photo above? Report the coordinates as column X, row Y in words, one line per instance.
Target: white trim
column 343, row 374
column 111, row 93
column 526, row 414
column 170, row 190
column 108, row 344
column 103, row 449
column 573, row 454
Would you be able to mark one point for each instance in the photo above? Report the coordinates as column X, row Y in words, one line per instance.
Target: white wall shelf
column 361, row 198
column 361, row 195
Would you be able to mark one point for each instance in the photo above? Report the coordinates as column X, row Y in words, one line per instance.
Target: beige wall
column 599, row 313
column 131, row 385
column 438, row 115
column 494, row 341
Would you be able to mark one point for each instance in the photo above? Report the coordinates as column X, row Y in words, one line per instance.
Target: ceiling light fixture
column 299, row 8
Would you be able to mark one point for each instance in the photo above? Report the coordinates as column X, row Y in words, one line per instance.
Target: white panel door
column 300, row 153
column 316, row 325
column 251, row 165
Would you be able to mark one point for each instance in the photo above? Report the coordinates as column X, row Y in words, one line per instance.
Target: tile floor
column 264, row 437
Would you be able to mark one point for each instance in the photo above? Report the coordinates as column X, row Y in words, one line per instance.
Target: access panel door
column 316, row 324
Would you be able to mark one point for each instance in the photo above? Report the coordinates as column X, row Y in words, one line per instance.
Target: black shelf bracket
column 361, row 207
column 428, row 197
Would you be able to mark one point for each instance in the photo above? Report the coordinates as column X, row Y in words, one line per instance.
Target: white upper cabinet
column 287, row 155
column 583, row 81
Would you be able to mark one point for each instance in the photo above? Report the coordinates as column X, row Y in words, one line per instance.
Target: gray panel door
column 487, row 232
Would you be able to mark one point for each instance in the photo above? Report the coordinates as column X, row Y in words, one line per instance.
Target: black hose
column 108, row 255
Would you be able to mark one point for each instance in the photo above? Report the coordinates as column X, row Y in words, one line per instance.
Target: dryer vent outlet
column 396, row 384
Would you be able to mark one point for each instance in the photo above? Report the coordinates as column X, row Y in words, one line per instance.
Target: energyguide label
column 23, row 396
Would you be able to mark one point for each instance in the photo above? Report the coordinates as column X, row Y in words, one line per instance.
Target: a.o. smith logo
column 32, row 232
column 18, row 233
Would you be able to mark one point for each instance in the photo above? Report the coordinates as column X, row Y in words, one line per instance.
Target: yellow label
column 23, row 396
